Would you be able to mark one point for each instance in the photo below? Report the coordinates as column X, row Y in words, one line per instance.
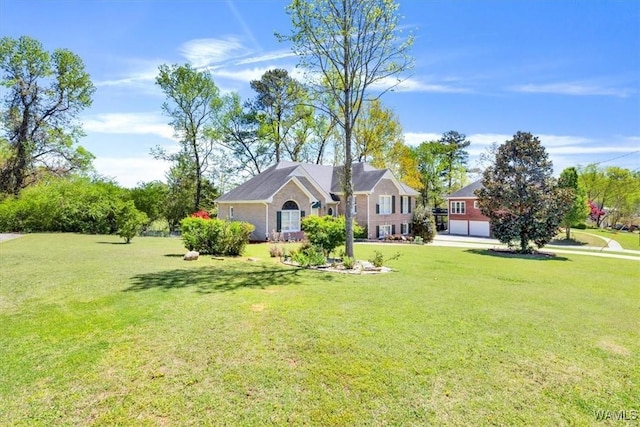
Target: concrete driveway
column 9, row 236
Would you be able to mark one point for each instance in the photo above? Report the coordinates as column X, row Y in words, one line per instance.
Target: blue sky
column 566, row 71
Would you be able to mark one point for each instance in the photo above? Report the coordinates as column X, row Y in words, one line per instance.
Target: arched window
column 289, row 217
column 330, row 212
column 290, row 205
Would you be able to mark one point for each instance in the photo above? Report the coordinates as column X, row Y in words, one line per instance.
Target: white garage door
column 479, row 228
column 458, row 227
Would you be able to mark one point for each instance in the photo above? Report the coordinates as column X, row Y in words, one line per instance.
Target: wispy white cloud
column 574, row 89
column 271, row 56
column 243, row 75
column 141, row 80
column 203, row 52
column 129, row 123
column 416, row 138
column 416, row 85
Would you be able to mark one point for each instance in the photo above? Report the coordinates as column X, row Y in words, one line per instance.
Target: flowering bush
column 201, row 214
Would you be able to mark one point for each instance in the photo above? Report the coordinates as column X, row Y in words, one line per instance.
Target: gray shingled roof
column 328, row 178
column 468, row 191
column 260, row 187
column 363, row 176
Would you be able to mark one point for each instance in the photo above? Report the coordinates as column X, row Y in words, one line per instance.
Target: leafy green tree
column 624, row 192
column 404, row 164
column 431, row 159
column 455, row 160
column 279, row 103
column 151, row 198
column 129, row 220
column 520, row 196
column 194, row 104
column 44, row 94
column 597, row 187
column 351, row 45
column 240, row 135
column 578, row 209
column 181, row 184
column 376, row 133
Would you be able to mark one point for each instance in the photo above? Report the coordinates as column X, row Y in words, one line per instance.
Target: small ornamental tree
column 423, row 223
column 129, row 220
column 595, row 213
column 578, row 208
column 520, row 196
column 326, row 232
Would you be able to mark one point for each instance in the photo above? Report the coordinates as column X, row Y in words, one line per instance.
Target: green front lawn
column 627, row 240
column 97, row 332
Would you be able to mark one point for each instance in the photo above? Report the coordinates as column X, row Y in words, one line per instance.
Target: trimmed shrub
column 215, row 236
column 327, row 232
column 581, row 226
column 236, row 237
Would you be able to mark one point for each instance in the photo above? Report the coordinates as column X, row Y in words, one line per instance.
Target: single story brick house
column 465, row 218
column 275, row 200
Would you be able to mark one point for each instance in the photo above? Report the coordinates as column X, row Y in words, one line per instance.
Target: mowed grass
column 626, row 239
column 94, row 332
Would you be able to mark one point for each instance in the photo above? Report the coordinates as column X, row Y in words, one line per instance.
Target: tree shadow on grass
column 207, row 280
column 565, row 242
column 112, row 243
column 507, row 255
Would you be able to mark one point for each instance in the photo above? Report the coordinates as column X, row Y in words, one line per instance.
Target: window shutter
column 377, row 208
column 278, row 221
column 393, row 204
column 301, row 214
column 410, row 228
column 377, row 231
column 393, row 229
column 409, row 204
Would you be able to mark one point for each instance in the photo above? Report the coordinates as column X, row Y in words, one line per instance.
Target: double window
column 458, row 207
column 385, row 230
column 385, row 205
